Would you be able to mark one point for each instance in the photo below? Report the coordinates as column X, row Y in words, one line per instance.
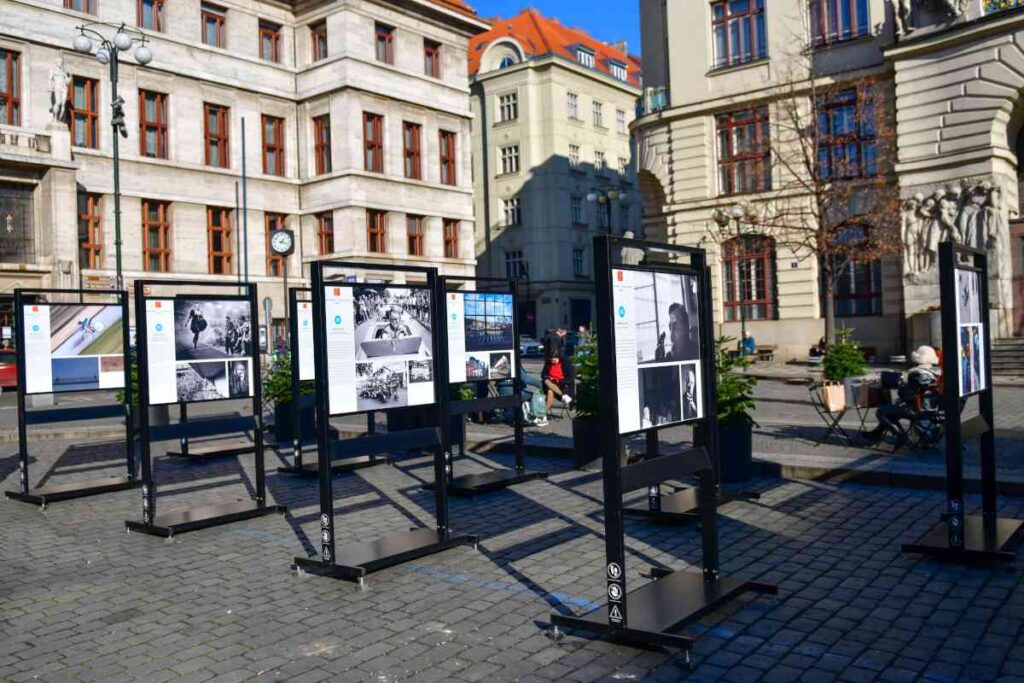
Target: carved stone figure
column 901, row 11
column 59, row 80
column 967, row 228
column 911, row 230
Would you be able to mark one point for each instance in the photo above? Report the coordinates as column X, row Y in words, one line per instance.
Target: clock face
column 281, row 242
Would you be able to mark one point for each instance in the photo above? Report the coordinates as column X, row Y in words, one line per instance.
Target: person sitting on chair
column 917, row 395
column 395, row 328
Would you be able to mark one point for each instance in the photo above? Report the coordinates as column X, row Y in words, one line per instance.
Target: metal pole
column 743, row 307
column 245, row 214
column 238, row 240
column 115, row 130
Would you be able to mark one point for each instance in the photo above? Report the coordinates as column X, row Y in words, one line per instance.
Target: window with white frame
column 585, row 57
column 574, row 156
column 508, row 107
column 579, row 266
column 576, row 210
column 620, row 120
column 618, row 70
column 600, row 163
column 604, row 215
column 598, row 111
column 515, row 265
column 572, row 105
column 509, row 159
column 510, row 207
column 623, row 166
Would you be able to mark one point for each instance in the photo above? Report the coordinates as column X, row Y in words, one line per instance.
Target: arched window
column 748, row 277
column 506, row 62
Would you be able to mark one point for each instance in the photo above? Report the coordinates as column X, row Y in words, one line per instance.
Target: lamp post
column 739, row 214
column 108, row 53
column 604, row 198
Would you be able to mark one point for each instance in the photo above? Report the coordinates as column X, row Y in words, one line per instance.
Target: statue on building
column 911, row 230
column 901, row 12
column 905, row 12
column 60, row 81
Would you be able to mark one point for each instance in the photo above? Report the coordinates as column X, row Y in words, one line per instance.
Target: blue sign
column 35, row 328
column 337, row 320
column 159, row 327
column 622, row 311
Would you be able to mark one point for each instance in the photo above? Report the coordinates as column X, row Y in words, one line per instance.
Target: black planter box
column 586, row 440
column 737, row 447
column 284, row 422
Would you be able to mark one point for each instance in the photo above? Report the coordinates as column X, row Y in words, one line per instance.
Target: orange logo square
column 157, row 304
column 337, row 291
column 35, row 309
column 620, row 275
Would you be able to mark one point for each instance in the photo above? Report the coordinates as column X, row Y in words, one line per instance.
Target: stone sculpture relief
column 59, row 79
column 905, row 10
column 972, row 215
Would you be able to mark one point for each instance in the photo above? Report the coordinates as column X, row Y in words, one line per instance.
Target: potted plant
column 277, row 392
column 734, row 397
column 586, row 424
column 844, row 362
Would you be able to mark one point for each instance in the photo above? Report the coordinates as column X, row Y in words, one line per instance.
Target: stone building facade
column 951, row 67
column 326, row 91
column 552, row 159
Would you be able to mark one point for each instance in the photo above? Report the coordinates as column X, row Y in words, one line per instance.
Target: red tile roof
column 456, row 6
column 539, row 36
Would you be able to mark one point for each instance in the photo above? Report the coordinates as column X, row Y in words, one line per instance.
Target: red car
column 8, row 368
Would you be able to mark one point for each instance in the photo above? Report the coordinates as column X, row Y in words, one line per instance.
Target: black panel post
column 183, row 418
column 323, row 416
column 442, row 393
column 293, row 333
column 951, row 399
column 148, row 485
column 129, row 425
column 654, row 490
column 985, row 404
column 257, row 409
column 22, row 426
column 709, row 480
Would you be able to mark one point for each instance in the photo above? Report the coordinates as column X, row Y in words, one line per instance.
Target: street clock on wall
column 282, row 242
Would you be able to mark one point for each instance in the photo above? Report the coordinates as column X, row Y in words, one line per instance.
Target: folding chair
column 831, row 419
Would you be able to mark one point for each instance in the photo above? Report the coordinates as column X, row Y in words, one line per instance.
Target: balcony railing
column 653, row 99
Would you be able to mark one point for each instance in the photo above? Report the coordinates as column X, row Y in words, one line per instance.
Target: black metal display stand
column 172, row 523
column 78, row 489
column 311, row 470
column 495, row 480
column 207, row 452
column 353, row 561
column 653, row 614
column 968, row 539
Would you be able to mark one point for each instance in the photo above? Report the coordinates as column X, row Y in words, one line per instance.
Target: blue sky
column 607, row 20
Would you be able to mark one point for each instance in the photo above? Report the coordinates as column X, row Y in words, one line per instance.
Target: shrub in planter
column 735, row 399
column 843, row 358
column 277, row 395
column 158, row 415
column 586, row 426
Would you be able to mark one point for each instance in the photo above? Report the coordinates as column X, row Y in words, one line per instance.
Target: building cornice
column 551, row 60
column 999, row 23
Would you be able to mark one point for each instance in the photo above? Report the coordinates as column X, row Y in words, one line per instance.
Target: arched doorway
column 655, row 220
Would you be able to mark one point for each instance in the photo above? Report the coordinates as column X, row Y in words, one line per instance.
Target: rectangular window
column 597, row 109
column 847, row 133
column 748, row 268
column 273, row 145
column 376, row 231
column 414, row 234
column 218, row 240
column 451, row 238
column 385, row 40
column 623, row 217
column 585, row 57
column 83, row 114
column 150, row 14
column 738, row 27
column 213, row 27
column 858, row 289
column 10, row 88
column 431, row 58
column 833, row 21
column 87, row 6
column 618, row 71
column 152, row 124
column 623, row 166
column 515, row 265
column 90, row 235
column 275, row 263
column 411, row 150
column 744, row 151
column 322, row 144
column 156, row 236
column 620, row 121
column 318, row 41
column 510, row 208
column 509, row 159
column 447, row 140
column 604, row 215
column 579, row 268
column 574, row 156
column 270, row 42
column 576, row 210
column 508, row 107
column 215, row 132
column 373, row 142
column 572, row 105
column 600, row 163
column 325, row 233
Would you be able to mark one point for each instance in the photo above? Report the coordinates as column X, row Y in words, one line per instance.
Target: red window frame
column 156, row 126
column 318, row 41
column 156, row 15
column 376, row 231
column 325, row 233
column 90, row 230
column 322, row 143
column 273, row 222
column 216, row 139
column 10, row 98
column 87, row 6
column 847, row 133
column 414, row 232
column 412, row 150
column 739, row 36
column 451, row 238
column 273, row 145
column 826, row 19
column 272, row 33
column 446, row 138
column 160, row 227
column 88, row 115
column 857, row 281
column 431, row 58
column 218, row 17
column 384, row 37
column 218, row 224
column 373, row 142
column 749, row 259
column 744, row 169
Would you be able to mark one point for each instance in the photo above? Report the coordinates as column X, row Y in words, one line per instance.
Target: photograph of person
column 667, row 320
column 392, row 322
column 380, row 386
column 690, row 398
column 82, row 330
column 659, row 396
column 968, row 296
column 238, row 379
column 206, row 381
column 488, row 321
column 210, row 329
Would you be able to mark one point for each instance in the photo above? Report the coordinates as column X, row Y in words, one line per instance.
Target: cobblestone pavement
column 82, row 600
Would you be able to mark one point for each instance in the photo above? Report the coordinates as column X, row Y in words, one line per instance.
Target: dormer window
column 506, row 62
column 585, row 57
column 618, row 70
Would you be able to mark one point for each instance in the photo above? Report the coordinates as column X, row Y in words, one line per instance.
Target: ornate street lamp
column 108, row 52
column 740, row 215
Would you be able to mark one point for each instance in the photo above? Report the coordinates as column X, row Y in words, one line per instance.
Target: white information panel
column 73, row 347
column 304, row 324
column 481, row 343
column 971, row 332
column 657, row 348
column 198, row 349
column 379, row 347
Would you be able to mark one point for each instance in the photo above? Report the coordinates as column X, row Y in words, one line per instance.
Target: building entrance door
column 1017, row 262
column 579, row 312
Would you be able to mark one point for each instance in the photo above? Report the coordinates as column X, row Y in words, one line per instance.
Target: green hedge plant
column 735, row 389
column 843, row 358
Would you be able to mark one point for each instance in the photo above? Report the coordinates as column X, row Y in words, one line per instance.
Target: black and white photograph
column 659, row 396
column 392, row 323
column 206, row 381
column 238, row 379
column 488, row 321
column 691, row 399
column 421, row 371
column 380, row 386
column 968, row 296
column 210, row 329
column 501, row 365
column 666, row 318
column 477, row 367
